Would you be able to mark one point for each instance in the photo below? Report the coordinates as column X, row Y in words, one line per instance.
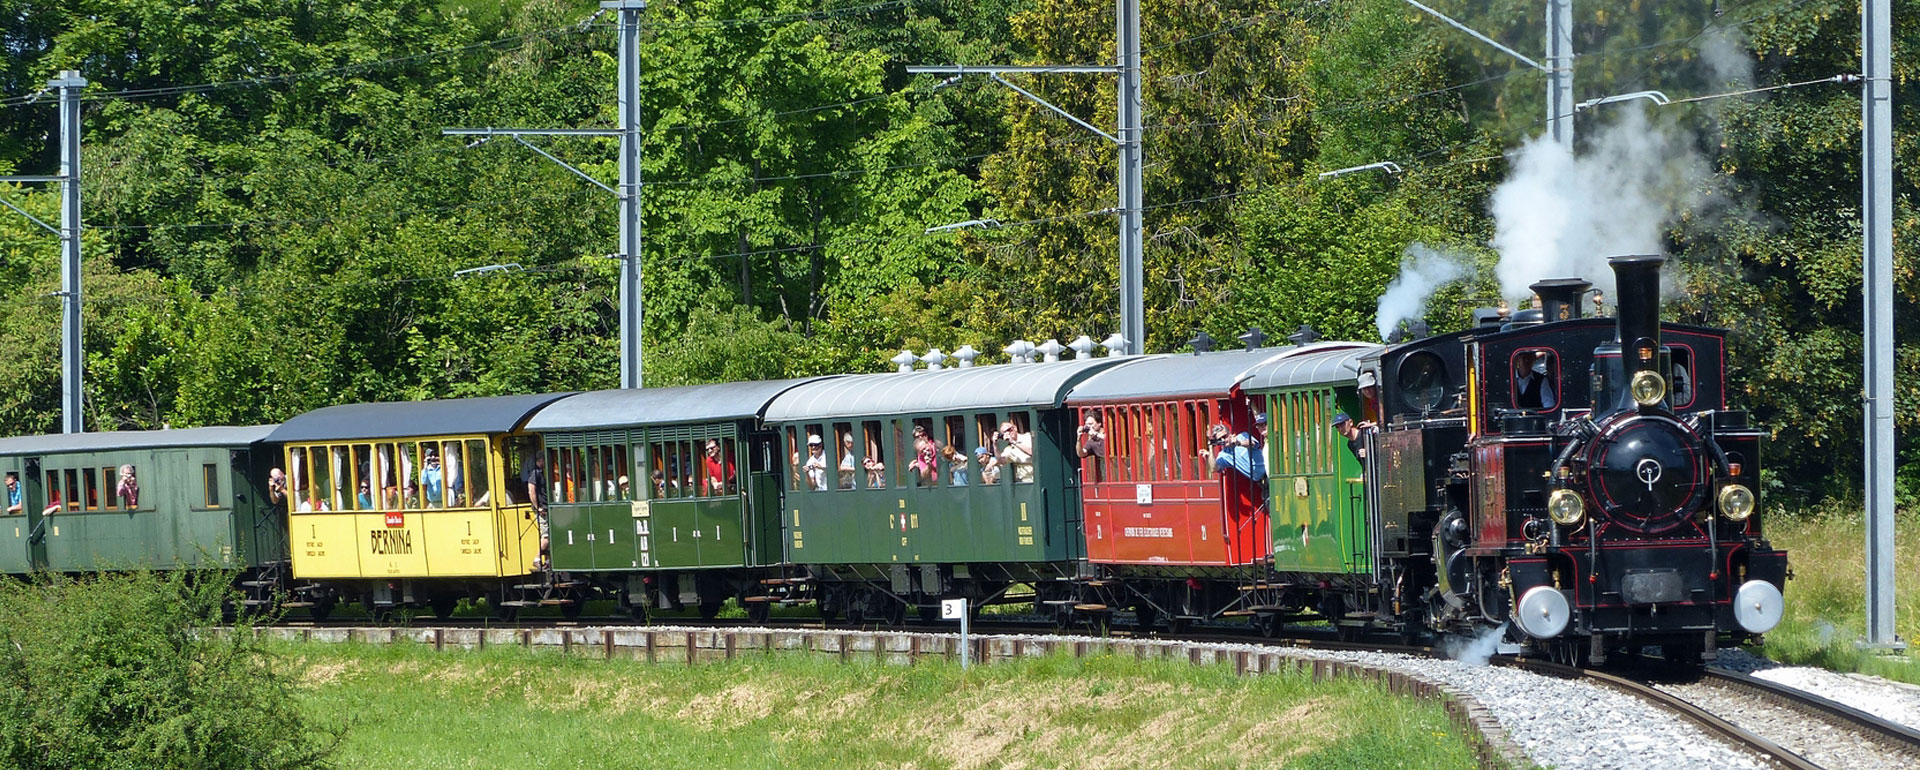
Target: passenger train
column 1578, row 484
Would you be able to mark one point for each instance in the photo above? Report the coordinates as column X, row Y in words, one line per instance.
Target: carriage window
column 73, row 491
column 1536, row 379
column 1019, row 461
column 209, row 483
column 92, row 483
column 53, row 492
column 474, row 473
column 845, row 456
column 875, row 462
column 921, row 452
column 986, row 463
column 621, row 470
column 797, row 454
column 110, row 477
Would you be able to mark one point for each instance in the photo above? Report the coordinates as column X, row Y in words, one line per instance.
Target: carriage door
column 763, row 499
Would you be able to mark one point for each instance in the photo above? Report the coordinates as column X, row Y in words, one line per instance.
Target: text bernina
column 392, row 541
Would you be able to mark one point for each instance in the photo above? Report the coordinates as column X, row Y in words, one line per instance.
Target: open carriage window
column 1536, row 379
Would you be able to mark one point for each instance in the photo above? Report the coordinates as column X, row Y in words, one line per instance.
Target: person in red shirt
column 719, row 470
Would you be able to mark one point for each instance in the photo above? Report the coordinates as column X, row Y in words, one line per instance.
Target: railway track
column 1847, row 738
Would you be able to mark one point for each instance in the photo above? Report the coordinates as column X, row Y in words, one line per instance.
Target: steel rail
column 1892, row 734
column 1667, row 701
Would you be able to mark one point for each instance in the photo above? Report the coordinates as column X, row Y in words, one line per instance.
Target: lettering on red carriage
column 392, row 542
column 1165, row 532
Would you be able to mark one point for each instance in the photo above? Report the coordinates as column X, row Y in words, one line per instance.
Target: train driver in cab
column 1532, row 380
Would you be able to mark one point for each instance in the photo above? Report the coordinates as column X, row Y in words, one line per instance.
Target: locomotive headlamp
column 1566, row 507
column 1736, row 502
column 1648, row 388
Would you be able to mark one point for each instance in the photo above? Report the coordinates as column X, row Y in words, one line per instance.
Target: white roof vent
column 933, row 358
column 1051, row 349
column 905, row 360
column 1115, row 344
column 1020, row 352
column 1082, row 346
column 965, row 356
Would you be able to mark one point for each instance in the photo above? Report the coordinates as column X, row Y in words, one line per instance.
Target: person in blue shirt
column 13, row 493
column 430, row 486
column 1244, row 452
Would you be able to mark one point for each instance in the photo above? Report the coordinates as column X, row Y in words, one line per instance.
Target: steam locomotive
column 1580, row 479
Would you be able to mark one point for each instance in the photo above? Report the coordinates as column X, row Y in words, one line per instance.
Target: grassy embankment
column 408, row 706
column 1826, row 599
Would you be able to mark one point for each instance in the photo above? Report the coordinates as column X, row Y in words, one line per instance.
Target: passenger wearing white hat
column 816, row 465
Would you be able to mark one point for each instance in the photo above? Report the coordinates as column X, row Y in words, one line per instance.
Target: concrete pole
column 1133, row 323
column 1560, row 71
column 69, row 84
column 1876, row 148
column 629, row 189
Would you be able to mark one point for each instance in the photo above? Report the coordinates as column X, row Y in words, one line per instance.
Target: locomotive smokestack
column 1637, row 304
column 1560, row 298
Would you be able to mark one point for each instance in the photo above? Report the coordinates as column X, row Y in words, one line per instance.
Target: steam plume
column 1423, row 270
column 1561, row 216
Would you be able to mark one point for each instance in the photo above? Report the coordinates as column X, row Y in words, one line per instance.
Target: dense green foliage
column 275, row 219
column 119, row 671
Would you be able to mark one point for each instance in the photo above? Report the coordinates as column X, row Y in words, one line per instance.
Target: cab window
column 1536, row 379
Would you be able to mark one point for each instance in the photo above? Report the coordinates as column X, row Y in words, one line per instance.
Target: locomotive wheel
column 443, row 605
column 572, row 610
column 895, row 613
column 710, row 609
column 758, row 612
column 929, row 613
column 828, row 612
column 637, row 610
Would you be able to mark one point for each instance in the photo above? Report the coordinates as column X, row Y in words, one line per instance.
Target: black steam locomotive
column 1580, row 480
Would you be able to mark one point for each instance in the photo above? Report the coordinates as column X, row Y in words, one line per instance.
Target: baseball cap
column 813, row 439
column 1260, row 418
column 1340, row 417
column 982, row 451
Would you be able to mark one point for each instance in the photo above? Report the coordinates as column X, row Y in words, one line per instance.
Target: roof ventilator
column 933, row 359
column 1051, row 349
column 1082, row 347
column 1115, row 344
column 965, row 356
column 1020, row 352
column 1201, row 342
column 905, row 361
column 1254, row 338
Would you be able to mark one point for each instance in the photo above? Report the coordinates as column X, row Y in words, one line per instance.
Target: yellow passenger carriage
column 411, row 504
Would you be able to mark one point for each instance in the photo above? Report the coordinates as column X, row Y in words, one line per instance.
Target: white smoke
column 1724, row 53
column 1475, row 650
column 1562, row 216
column 1423, row 270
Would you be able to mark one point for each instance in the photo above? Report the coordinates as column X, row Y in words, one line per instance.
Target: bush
column 124, row 671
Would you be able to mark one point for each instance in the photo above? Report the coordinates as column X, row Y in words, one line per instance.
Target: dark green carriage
column 636, row 489
column 851, row 514
column 200, row 501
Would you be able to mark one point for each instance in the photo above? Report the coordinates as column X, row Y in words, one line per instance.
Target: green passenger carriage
column 877, row 532
column 1315, row 490
column 639, row 498
column 200, row 502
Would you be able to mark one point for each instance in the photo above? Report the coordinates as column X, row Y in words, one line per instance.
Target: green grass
column 408, row 706
column 1826, row 599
